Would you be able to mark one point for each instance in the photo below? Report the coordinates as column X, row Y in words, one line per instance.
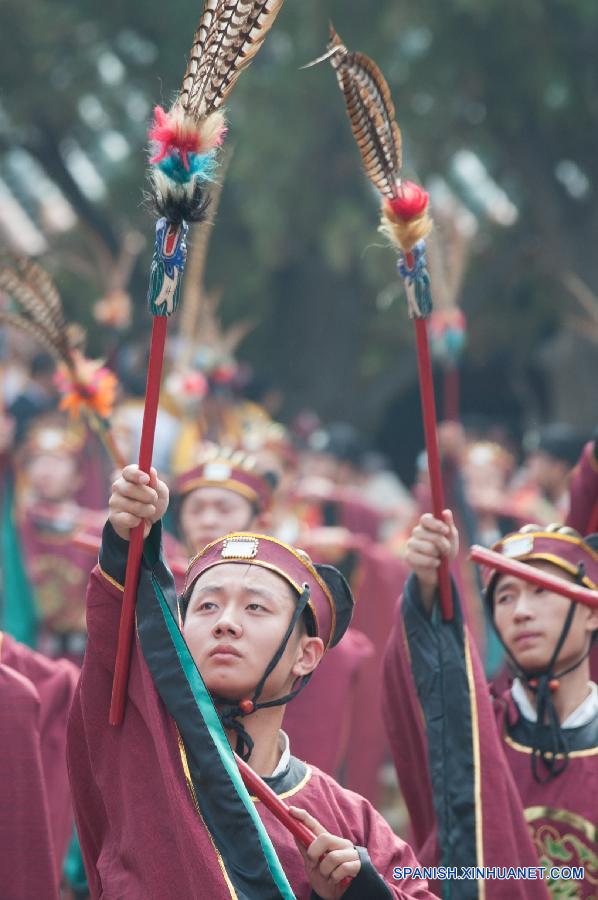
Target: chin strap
column 230, row 713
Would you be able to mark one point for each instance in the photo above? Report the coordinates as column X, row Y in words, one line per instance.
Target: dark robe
column 35, row 809
column 138, row 789
column 476, row 802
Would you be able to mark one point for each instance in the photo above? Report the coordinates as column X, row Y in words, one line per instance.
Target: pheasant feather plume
column 83, row 383
column 184, row 141
column 405, row 217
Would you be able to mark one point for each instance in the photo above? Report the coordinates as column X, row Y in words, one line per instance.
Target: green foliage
column 296, row 247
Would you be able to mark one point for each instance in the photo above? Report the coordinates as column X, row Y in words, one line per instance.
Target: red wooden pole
column 258, row 788
column 127, row 615
column 426, row 386
column 534, row 576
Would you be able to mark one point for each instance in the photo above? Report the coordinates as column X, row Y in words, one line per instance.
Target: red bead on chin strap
column 553, row 685
column 246, row 707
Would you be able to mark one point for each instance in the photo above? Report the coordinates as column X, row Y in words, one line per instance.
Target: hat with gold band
column 235, row 477
column 330, row 599
column 561, row 546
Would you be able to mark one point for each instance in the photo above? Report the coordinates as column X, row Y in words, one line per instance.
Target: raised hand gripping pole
column 167, row 268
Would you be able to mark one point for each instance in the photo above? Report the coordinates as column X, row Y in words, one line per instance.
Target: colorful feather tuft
column 184, row 141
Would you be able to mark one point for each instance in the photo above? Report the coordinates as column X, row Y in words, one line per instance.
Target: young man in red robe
column 513, row 785
column 226, row 493
column 159, row 813
column 36, row 818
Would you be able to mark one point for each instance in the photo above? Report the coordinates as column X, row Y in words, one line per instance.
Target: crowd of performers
column 310, row 609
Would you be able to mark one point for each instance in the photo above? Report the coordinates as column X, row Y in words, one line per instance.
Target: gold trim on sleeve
column 475, row 733
column 111, row 580
column 191, row 789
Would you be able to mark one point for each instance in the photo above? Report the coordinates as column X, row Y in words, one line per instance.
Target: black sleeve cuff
column 369, row 883
column 113, row 554
column 114, row 551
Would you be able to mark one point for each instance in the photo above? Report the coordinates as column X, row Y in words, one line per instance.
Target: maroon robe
column 583, row 492
column 377, row 582
column 319, row 720
column 35, row 811
column 583, row 511
column 562, row 815
column 140, row 833
column 474, row 800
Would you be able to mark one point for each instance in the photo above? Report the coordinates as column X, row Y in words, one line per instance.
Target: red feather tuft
column 411, row 202
column 173, row 134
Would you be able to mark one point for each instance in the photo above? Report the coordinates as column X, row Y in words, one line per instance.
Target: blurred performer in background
column 514, row 784
column 36, row 818
column 52, row 570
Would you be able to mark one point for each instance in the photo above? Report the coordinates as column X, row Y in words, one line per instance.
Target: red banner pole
column 428, row 403
column 534, row 576
column 146, row 450
column 258, row 788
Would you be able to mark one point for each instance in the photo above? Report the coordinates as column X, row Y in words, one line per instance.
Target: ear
column 592, row 620
column 309, row 654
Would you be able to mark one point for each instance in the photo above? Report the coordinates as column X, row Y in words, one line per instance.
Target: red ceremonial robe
column 377, row 582
column 35, row 810
column 583, row 492
column 476, row 802
column 376, row 578
column 136, row 797
column 583, row 510
column 319, row 721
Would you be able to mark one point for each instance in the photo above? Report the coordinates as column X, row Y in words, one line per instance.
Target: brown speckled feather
column 41, row 314
column 229, row 35
column 13, row 320
column 372, row 115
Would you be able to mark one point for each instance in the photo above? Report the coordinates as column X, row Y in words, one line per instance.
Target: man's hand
column 329, row 861
column 136, row 497
column 430, row 540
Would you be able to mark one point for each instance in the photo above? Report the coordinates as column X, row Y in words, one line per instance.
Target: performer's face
column 209, row 512
column 236, row 620
column 53, row 477
column 530, row 620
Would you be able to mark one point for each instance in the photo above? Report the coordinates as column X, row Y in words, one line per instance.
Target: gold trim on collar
column 521, row 748
column 291, row 791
